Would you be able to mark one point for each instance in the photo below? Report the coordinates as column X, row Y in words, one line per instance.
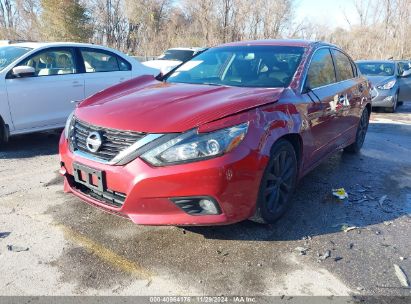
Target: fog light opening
column 208, row 206
column 197, row 205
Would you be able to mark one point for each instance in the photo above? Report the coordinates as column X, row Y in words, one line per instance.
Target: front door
column 45, row 99
column 322, row 106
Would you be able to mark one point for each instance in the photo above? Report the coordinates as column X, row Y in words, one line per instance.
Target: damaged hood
column 144, row 104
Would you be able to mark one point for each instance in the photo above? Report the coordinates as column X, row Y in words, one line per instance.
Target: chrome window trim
column 309, row 64
column 120, row 156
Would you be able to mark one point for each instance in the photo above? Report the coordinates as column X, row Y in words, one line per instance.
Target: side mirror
column 306, row 87
column 23, row 71
column 406, row 73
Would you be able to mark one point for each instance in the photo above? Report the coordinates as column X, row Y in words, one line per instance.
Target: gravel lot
column 76, row 249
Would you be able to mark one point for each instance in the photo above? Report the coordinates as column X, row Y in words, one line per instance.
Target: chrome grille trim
column 116, row 145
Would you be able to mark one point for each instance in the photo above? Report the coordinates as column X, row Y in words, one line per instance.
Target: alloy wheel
column 280, row 181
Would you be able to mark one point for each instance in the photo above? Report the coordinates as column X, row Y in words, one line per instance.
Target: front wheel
column 277, row 184
column 393, row 108
column 2, row 135
column 361, row 132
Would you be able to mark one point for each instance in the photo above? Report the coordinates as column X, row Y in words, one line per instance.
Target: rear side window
column 96, row 61
column 343, row 66
column 321, row 71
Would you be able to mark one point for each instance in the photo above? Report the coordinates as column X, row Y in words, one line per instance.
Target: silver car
column 391, row 82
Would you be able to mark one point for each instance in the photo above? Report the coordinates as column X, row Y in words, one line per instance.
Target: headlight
column 388, row 85
column 69, row 125
column 192, row 146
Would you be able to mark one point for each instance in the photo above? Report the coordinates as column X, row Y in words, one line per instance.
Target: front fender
column 277, row 121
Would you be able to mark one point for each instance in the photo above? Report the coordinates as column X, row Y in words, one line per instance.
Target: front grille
column 113, row 141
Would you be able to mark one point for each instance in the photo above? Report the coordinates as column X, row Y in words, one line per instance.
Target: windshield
column 180, row 55
column 377, row 68
column 10, row 53
column 242, row 66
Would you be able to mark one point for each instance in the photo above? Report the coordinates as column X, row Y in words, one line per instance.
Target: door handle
column 343, row 99
column 77, row 83
column 76, row 101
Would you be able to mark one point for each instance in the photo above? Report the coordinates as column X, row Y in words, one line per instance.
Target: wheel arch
column 295, row 140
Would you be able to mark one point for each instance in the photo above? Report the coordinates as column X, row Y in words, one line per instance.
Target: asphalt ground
column 76, row 249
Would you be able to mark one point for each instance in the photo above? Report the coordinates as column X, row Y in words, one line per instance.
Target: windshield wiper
column 213, row 84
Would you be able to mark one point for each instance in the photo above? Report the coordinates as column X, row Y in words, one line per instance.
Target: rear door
column 351, row 90
column 45, row 100
column 103, row 69
column 321, row 99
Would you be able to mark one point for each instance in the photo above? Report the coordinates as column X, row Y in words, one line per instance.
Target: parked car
column 391, row 82
column 223, row 138
column 41, row 82
column 172, row 58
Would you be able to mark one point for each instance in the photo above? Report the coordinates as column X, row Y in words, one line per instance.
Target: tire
column 394, row 106
column 277, row 184
column 2, row 135
column 360, row 134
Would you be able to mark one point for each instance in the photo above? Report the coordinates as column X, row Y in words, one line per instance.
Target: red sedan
column 222, row 138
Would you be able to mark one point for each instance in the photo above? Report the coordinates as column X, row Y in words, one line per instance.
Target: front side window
column 321, row 71
column 8, row 54
column 98, row 61
column 377, row 68
column 242, row 66
column 343, row 66
column 52, row 62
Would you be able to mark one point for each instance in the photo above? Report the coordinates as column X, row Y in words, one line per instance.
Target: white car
column 40, row 83
column 172, row 58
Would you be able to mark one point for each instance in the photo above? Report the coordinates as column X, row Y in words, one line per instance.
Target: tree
column 65, row 20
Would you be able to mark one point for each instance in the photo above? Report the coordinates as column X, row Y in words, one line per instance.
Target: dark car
column 391, row 82
column 223, row 138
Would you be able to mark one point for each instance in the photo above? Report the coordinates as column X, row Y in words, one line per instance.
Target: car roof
column 36, row 45
column 278, row 42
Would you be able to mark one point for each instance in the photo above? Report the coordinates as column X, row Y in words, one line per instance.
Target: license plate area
column 91, row 178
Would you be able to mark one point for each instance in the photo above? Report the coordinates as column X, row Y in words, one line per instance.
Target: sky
column 327, row 12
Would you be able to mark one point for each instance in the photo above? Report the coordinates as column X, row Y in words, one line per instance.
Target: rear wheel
column 361, row 132
column 277, row 184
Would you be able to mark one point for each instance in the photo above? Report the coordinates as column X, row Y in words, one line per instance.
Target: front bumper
column 231, row 180
column 383, row 98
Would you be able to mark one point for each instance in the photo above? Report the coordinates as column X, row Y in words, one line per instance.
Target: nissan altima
column 223, row 138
